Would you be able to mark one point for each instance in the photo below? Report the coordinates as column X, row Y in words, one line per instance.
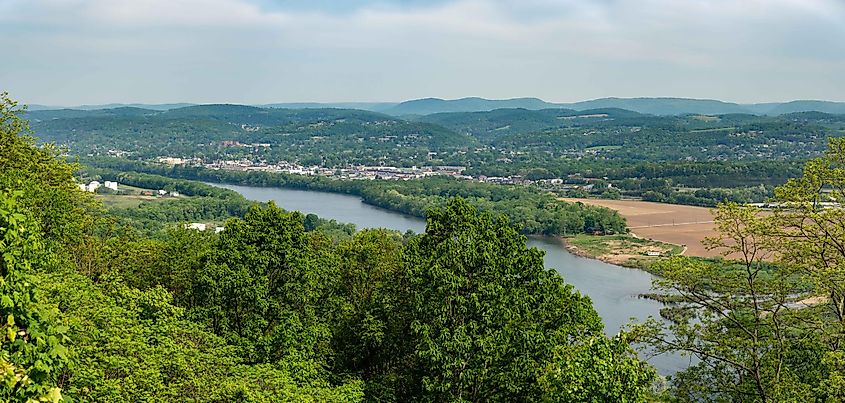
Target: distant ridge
column 229, row 113
column 154, row 107
column 503, row 122
column 366, row 106
column 662, row 106
column 808, row 106
column 427, row 106
column 46, row 114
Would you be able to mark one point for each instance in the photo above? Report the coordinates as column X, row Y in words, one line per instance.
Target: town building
column 93, row 186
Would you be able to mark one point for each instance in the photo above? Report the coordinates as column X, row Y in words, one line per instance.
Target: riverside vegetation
column 533, row 210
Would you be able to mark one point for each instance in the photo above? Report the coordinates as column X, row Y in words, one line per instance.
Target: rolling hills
column 661, row 106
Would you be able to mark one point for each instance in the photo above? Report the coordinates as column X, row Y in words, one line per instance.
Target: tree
column 811, row 237
column 768, row 323
column 311, row 222
column 268, row 287
column 491, row 321
column 84, row 331
column 372, row 339
column 741, row 334
column 32, row 350
column 50, row 195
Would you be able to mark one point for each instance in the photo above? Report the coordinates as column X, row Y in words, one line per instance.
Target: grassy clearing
column 124, row 201
column 602, row 148
column 129, row 197
column 625, row 250
column 719, row 129
column 707, row 118
column 598, row 245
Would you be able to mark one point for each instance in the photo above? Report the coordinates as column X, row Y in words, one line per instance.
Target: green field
column 129, row 196
column 603, row 148
column 599, row 246
column 124, row 201
column 718, row 129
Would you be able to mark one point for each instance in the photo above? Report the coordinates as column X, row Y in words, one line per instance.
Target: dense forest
column 331, row 137
column 267, row 311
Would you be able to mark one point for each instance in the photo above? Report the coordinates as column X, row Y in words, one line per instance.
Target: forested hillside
column 609, row 153
column 331, row 137
column 691, row 151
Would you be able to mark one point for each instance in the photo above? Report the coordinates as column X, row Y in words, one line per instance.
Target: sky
column 72, row 52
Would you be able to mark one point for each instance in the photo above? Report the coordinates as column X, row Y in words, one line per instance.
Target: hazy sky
column 69, row 52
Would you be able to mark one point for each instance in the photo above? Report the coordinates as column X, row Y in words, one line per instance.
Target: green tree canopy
column 32, row 350
column 490, row 321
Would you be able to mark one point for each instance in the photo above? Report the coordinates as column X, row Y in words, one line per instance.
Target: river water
column 613, row 289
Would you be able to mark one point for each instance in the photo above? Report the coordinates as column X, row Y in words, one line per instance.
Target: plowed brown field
column 672, row 223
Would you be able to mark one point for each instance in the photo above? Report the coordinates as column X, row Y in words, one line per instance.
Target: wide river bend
column 614, row 290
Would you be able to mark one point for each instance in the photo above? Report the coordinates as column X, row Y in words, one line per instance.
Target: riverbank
column 621, row 250
column 533, row 210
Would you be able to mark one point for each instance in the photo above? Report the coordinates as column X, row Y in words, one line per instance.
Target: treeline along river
column 614, row 290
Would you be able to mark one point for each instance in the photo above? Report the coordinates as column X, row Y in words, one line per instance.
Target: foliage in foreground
column 769, row 325
column 267, row 311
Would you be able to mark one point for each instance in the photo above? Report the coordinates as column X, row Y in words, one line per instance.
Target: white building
column 111, row 185
column 172, row 160
column 197, row 226
column 93, row 186
column 218, row 230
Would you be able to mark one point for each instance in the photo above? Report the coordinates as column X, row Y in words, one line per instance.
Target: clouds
column 73, row 51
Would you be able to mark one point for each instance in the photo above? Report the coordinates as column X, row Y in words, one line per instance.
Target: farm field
column 129, row 197
column 671, row 223
column 124, row 201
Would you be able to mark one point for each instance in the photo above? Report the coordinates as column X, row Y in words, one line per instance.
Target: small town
column 363, row 172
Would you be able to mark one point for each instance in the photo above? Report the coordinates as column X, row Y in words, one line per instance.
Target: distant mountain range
column 428, row 106
column 366, row 106
column 155, row 107
column 653, row 106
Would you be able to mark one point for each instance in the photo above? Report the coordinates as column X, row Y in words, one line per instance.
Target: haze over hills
column 661, row 106
column 427, row 106
column 223, row 113
column 157, row 107
column 807, row 106
column 367, row 106
column 652, row 106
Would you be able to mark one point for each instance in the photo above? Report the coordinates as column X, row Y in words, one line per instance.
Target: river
column 614, row 290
